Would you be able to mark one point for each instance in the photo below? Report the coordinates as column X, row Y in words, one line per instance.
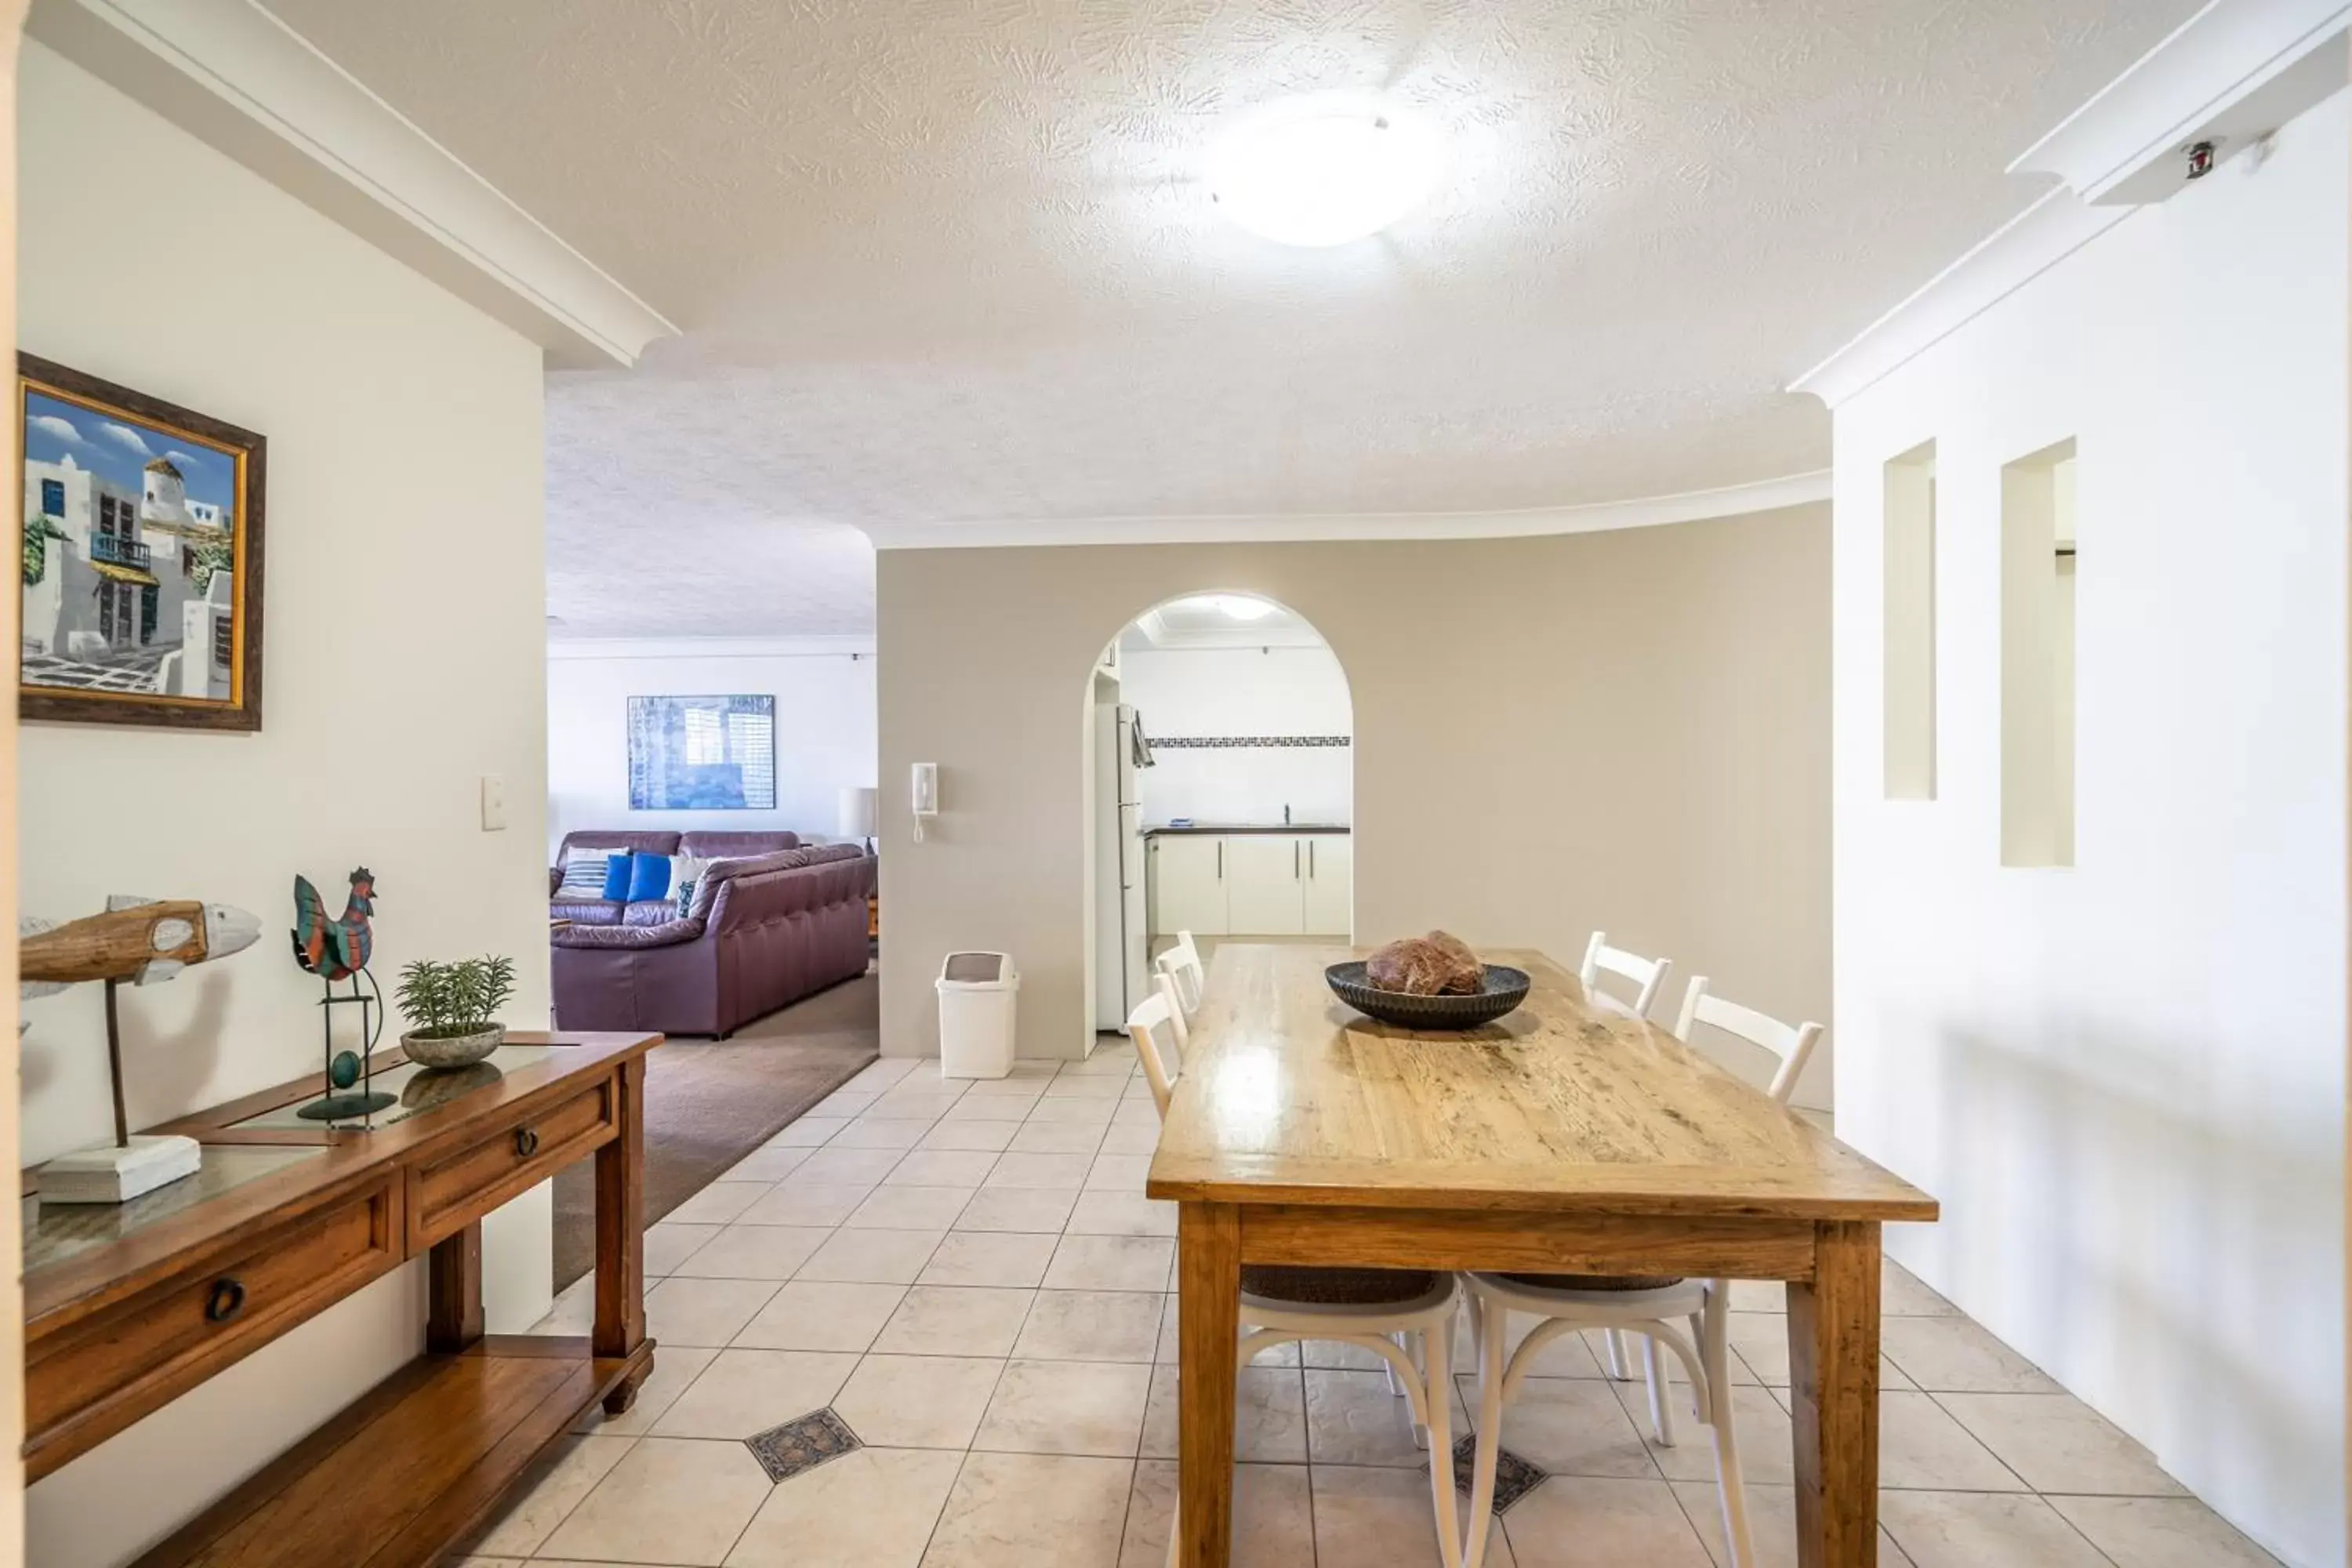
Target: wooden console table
column 129, row 1307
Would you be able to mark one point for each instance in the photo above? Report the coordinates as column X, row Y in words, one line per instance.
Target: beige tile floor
column 970, row 1277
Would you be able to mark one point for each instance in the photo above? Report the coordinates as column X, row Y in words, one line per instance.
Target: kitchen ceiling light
column 1232, row 606
column 1313, row 176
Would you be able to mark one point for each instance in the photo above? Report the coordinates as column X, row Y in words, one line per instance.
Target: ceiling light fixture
column 1232, row 606
column 1310, row 173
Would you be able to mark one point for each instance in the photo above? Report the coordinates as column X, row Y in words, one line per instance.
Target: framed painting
column 141, row 569
column 702, row 753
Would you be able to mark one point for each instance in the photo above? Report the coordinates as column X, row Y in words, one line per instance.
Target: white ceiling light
column 1232, row 606
column 1311, row 173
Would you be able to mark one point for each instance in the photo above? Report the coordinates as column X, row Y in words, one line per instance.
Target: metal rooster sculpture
column 336, row 950
column 339, row 949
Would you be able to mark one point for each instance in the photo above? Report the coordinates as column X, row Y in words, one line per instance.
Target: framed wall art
column 702, row 753
column 142, row 567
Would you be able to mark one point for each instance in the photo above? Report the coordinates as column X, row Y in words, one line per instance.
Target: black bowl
column 1502, row 990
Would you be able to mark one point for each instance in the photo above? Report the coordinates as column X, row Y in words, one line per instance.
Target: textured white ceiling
column 952, row 261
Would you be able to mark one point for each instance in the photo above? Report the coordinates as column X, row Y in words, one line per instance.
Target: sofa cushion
column 649, row 912
column 648, row 877
column 720, row 872
column 652, row 841
column 585, row 911
column 663, row 934
column 714, row 845
column 616, row 878
column 585, row 867
column 684, row 871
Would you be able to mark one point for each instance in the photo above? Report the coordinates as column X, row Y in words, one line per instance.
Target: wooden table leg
column 1208, row 1323
column 1834, row 1385
column 453, row 1317
column 621, row 1234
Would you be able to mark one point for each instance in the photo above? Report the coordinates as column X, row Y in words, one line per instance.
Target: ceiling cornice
column 852, row 646
column 2020, row 251
column 1689, row 506
column 2232, row 72
column 234, row 77
column 2236, row 70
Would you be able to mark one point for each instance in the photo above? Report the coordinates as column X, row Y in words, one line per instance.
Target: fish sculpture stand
column 145, row 942
column 337, row 950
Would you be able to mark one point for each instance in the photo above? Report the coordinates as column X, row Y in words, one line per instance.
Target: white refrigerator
column 1121, row 965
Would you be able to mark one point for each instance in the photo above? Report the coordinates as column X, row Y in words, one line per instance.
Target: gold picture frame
column 142, row 571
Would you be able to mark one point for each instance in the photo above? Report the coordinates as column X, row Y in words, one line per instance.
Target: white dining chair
column 1163, row 986
column 1622, row 1305
column 1182, row 964
column 1404, row 1316
column 1648, row 976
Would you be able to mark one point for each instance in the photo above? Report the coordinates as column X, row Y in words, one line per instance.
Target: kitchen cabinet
column 1329, row 885
column 1253, row 884
column 1264, row 877
column 1187, row 879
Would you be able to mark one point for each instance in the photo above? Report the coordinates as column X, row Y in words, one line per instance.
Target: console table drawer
column 94, row 1377
column 453, row 1192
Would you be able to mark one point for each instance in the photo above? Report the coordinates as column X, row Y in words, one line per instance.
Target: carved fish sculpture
column 137, row 939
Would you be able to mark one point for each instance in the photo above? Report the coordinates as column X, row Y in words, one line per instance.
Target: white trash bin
column 977, row 991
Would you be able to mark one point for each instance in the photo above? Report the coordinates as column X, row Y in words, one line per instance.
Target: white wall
column 406, row 660
column 2125, row 1079
column 1242, row 692
column 824, row 726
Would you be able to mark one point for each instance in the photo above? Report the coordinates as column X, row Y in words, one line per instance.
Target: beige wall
column 406, row 658
column 1625, row 730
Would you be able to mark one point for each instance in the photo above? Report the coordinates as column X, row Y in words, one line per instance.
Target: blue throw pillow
column 616, row 876
column 648, row 877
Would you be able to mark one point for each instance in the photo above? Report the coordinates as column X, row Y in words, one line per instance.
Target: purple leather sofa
column 770, row 923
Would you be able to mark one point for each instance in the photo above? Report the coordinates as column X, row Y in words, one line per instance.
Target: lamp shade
column 858, row 811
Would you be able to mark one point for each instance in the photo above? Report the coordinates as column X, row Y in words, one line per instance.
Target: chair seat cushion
column 1595, row 1281
column 1337, row 1287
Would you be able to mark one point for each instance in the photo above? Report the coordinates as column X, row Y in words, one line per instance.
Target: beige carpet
column 710, row 1102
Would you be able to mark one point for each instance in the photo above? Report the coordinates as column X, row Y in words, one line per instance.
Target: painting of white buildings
column 129, row 556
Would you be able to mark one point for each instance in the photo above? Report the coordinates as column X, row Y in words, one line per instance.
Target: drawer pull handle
column 226, row 1301
column 525, row 1141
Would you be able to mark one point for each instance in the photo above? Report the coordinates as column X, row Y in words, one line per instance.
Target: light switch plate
column 494, row 803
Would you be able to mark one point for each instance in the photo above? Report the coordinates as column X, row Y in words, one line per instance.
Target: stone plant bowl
column 1500, row 991
column 452, row 1050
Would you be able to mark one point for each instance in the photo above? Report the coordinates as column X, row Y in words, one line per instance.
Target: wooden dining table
column 1566, row 1137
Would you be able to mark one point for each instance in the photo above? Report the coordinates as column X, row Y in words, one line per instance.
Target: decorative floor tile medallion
column 804, row 1443
column 1513, row 1476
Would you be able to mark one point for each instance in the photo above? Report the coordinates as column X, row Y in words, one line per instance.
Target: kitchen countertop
column 1227, row 828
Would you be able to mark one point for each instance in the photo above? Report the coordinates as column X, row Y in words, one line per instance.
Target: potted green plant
column 452, row 1009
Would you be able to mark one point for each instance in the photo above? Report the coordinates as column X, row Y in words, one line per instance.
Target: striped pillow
column 584, row 868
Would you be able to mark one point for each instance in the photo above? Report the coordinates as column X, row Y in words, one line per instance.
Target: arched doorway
column 1220, row 790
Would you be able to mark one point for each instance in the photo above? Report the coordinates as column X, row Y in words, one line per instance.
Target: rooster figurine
column 336, row 949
